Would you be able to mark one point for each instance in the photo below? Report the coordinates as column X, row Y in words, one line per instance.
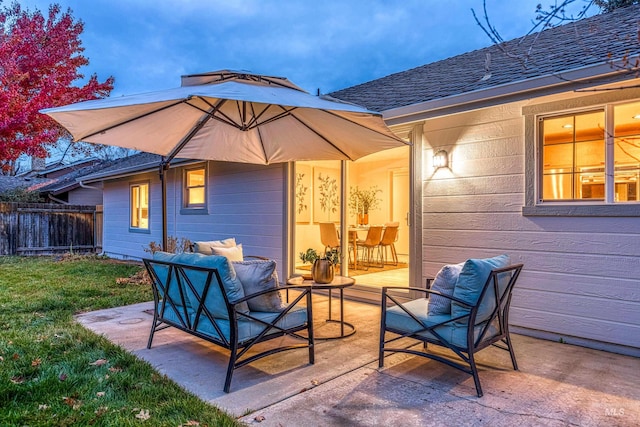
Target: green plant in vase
column 322, row 270
column 363, row 201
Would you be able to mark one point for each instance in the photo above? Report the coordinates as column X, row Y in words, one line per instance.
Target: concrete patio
column 557, row 384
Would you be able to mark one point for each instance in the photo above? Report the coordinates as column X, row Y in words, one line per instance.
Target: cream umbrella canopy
column 230, row 116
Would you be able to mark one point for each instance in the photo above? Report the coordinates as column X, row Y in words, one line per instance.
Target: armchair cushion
column 444, row 282
column 447, row 330
column 473, row 276
column 256, row 276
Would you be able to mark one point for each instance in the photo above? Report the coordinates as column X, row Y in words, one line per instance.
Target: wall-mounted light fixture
column 441, row 159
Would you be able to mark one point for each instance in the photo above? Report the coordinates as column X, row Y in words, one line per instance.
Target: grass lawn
column 55, row 372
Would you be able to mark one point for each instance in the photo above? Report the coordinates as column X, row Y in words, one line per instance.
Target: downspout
column 164, row 166
column 55, row 199
column 89, row 187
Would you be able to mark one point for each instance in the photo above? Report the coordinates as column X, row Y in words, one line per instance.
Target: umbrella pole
column 164, row 165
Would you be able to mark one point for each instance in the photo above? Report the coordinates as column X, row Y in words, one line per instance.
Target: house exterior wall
column 243, row 201
column 86, row 196
column 580, row 282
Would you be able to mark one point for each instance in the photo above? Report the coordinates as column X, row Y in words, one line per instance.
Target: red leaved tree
column 40, row 60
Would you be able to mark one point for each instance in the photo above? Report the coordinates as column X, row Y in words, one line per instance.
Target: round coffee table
column 339, row 283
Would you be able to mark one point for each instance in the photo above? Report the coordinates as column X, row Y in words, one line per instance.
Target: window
column 626, row 152
column 582, row 155
column 576, row 161
column 139, row 206
column 195, row 188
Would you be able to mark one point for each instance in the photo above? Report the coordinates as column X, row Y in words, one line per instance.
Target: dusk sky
column 327, row 44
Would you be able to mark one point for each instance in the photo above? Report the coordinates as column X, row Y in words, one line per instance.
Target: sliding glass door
column 369, row 193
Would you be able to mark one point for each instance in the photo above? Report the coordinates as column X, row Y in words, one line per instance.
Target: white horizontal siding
column 243, row 201
column 85, row 196
column 581, row 274
column 118, row 240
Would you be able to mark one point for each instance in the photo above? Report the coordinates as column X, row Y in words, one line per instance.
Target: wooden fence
column 44, row 229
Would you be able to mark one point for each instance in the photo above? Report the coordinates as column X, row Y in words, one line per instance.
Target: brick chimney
column 37, row 163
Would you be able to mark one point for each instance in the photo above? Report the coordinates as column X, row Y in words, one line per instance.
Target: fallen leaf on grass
column 1, row 359
column 43, row 407
column 62, row 377
column 73, row 402
column 100, row 394
column 17, row 379
column 115, row 369
column 16, row 356
column 99, row 362
column 36, row 362
column 143, row 415
column 101, row 410
column 190, row 423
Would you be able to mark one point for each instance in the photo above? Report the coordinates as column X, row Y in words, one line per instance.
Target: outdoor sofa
column 234, row 305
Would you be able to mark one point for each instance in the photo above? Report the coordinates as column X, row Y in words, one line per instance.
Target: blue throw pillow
column 473, row 276
column 256, row 276
column 444, row 282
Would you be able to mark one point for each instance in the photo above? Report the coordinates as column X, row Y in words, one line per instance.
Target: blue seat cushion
column 449, row 331
column 472, row 278
column 248, row 328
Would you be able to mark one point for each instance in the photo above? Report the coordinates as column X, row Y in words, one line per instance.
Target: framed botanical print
column 326, row 194
column 304, row 193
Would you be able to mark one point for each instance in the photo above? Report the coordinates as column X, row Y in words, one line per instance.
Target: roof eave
column 576, row 78
column 132, row 170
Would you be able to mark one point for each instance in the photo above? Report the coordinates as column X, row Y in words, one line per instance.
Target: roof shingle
column 586, row 42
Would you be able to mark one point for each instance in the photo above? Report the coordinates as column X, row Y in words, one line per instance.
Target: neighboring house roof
column 58, row 169
column 588, row 42
column 8, row 183
column 70, row 180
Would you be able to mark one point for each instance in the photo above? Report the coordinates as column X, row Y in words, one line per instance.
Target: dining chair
column 389, row 237
column 353, row 248
column 374, row 235
column 329, row 236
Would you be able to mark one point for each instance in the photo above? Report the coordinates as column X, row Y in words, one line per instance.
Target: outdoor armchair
column 477, row 316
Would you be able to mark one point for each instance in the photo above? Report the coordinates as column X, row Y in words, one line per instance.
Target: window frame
column 534, row 206
column 138, row 229
column 200, row 208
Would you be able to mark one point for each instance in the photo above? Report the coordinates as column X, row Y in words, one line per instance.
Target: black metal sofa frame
column 492, row 331
column 172, row 308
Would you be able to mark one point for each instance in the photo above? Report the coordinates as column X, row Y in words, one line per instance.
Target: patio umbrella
column 230, row 116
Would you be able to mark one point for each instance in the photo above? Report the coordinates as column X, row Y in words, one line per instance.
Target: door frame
column 416, row 279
